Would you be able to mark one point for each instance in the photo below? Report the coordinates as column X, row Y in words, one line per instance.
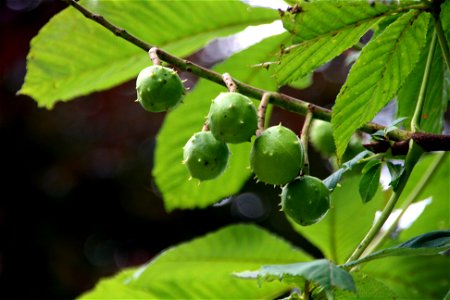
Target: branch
column 283, row 101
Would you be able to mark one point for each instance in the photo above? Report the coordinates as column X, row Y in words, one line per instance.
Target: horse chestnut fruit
column 276, row 156
column 321, row 137
column 204, row 156
column 305, row 200
column 232, row 118
column 159, row 88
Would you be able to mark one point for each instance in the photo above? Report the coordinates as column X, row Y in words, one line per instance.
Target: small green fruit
column 321, row 137
column 276, row 156
column 204, row 156
column 305, row 200
column 232, row 118
column 159, row 88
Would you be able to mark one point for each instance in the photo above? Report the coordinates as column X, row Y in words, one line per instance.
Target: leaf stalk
column 415, row 122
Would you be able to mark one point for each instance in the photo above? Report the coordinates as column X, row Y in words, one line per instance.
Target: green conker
column 321, row 137
column 232, row 118
column 159, row 88
column 276, row 156
column 305, row 200
column 204, row 156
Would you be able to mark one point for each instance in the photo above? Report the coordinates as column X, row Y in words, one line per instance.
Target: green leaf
column 430, row 243
column 303, row 82
column 346, row 223
column 435, row 103
column 445, row 19
column 73, row 56
column 321, row 272
column 332, row 181
column 380, row 71
column 370, row 181
column 426, row 277
column 316, row 18
column 395, row 170
column 310, row 54
column 368, row 288
column 170, row 175
column 200, row 269
column 436, row 214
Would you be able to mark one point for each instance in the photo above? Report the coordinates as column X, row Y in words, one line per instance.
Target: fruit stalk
column 229, row 82
column 152, row 53
column 304, row 137
column 262, row 113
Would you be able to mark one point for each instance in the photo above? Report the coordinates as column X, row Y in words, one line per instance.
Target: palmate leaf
column 180, row 124
column 73, row 56
column 380, row 71
column 203, row 268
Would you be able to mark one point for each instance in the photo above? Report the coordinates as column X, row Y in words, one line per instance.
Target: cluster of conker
column 276, row 157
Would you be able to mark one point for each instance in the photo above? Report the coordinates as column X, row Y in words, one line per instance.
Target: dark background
column 77, row 199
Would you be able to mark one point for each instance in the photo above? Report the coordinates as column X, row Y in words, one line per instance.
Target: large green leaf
column 346, row 223
column 435, row 103
column 321, row 272
column 73, row 56
column 203, row 268
column 430, row 243
column 426, row 277
column 170, row 175
column 380, row 71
